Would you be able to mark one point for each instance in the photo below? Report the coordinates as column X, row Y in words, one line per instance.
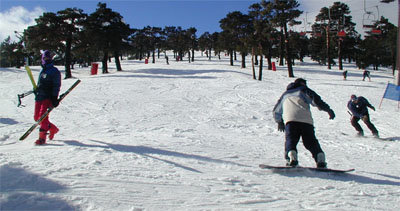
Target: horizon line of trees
column 264, row 33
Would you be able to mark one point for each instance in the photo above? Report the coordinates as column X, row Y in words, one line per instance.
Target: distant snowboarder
column 47, row 91
column 366, row 74
column 293, row 108
column 359, row 109
column 344, row 75
column 166, row 59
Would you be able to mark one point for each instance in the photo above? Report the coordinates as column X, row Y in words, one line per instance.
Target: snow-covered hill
column 190, row 137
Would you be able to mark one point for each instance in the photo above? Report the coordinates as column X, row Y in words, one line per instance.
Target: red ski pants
column 41, row 108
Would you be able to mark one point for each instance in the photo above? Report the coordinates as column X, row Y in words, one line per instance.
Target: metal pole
column 328, row 39
column 398, row 46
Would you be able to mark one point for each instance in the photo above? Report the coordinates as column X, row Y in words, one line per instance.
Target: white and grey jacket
column 294, row 105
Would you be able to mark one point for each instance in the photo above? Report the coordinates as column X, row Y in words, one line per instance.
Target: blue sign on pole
column 392, row 92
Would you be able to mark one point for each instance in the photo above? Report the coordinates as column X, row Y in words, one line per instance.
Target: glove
column 373, row 108
column 55, row 101
column 281, row 127
column 331, row 114
column 364, row 118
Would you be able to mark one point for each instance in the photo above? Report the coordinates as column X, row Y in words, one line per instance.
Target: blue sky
column 204, row 15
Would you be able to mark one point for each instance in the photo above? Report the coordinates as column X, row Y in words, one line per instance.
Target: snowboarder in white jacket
column 293, row 115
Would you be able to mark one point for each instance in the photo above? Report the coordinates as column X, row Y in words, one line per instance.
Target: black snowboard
column 264, row 166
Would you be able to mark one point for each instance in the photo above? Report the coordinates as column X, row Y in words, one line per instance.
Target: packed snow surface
column 190, row 136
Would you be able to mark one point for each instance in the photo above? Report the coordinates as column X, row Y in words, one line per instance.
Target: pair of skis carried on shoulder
column 20, row 96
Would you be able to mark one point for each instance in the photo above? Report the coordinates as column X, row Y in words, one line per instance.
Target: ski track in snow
column 190, row 137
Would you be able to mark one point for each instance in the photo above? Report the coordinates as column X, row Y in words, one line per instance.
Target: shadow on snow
column 170, row 73
column 8, row 121
column 344, row 177
column 150, row 152
column 24, row 190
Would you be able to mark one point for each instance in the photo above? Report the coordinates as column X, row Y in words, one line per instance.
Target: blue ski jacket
column 294, row 104
column 359, row 108
column 49, row 83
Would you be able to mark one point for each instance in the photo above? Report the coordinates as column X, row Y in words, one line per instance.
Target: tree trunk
column 260, row 68
column 269, row 60
column 231, row 57
column 328, row 42
column 282, row 50
column 288, row 53
column 67, row 64
column 104, row 62
column 252, row 63
column 117, row 62
column 243, row 59
column 340, row 58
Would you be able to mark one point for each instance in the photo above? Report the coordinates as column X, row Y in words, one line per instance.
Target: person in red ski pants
column 46, row 93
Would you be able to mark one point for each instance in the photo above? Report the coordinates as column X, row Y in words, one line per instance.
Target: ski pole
column 20, row 96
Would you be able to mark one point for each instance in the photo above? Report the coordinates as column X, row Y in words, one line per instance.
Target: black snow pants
column 295, row 130
column 366, row 120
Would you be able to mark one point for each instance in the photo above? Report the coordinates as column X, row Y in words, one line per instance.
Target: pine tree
column 285, row 12
column 56, row 32
column 239, row 27
column 336, row 25
column 108, row 33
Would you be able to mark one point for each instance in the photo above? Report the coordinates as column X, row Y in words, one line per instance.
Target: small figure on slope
column 366, row 74
column 293, row 108
column 359, row 109
column 344, row 75
column 166, row 59
column 47, row 91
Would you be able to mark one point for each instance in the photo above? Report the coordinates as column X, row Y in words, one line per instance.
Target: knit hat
column 300, row 81
column 353, row 97
column 46, row 57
